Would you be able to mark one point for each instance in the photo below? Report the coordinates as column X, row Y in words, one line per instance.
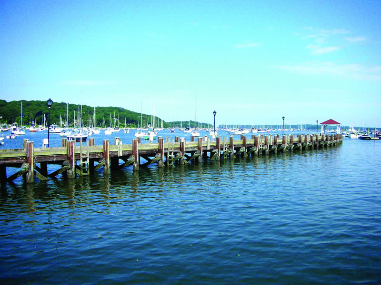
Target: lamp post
column 49, row 103
column 214, row 113
column 283, row 125
column 317, row 127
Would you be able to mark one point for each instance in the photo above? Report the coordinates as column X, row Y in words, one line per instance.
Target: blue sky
column 251, row 61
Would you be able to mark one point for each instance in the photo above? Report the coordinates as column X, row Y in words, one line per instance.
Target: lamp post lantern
column 214, row 113
column 317, row 127
column 49, row 103
column 283, row 125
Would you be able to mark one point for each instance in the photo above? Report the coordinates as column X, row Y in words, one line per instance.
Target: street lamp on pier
column 214, row 113
column 283, row 125
column 49, row 103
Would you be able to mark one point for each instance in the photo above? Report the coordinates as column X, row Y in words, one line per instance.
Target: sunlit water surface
column 302, row 218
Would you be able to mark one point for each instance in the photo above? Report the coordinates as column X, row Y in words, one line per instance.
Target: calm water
column 302, row 218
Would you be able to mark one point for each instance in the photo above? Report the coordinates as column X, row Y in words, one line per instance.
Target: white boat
column 96, row 131
column 55, row 129
column 65, row 133
column 77, row 137
column 364, row 137
column 32, row 129
column 108, row 131
column 195, row 133
column 353, row 135
column 17, row 131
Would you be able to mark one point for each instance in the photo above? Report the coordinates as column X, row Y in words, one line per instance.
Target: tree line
column 37, row 112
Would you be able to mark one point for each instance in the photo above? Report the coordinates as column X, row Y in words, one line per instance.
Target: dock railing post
column 160, row 163
column 284, row 143
column 231, row 146
column 135, row 152
column 106, row 157
column 218, row 147
column 256, row 145
column 244, row 145
column 291, row 143
column 30, row 161
column 70, row 151
column 182, row 151
column 200, row 150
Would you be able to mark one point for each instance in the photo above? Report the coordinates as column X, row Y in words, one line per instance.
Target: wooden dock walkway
column 73, row 160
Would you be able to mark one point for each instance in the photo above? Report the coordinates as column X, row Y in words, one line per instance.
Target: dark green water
column 302, row 218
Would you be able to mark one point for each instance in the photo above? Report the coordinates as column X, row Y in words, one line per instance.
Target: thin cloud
column 353, row 71
column 318, row 50
column 87, row 82
column 333, row 32
column 355, row 39
column 250, row 45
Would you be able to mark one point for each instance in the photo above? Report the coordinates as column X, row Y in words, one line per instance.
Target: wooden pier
column 72, row 160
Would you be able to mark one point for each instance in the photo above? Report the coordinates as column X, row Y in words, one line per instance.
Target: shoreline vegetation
column 71, row 115
column 66, row 115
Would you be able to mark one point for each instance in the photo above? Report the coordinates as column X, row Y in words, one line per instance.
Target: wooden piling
column 106, row 156
column 135, row 153
column 256, row 145
column 231, row 147
column 244, row 142
column 30, row 161
column 70, row 147
column 218, row 147
column 3, row 174
column 199, row 149
column 160, row 163
column 182, row 151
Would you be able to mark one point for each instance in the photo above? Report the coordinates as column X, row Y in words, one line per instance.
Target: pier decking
column 84, row 159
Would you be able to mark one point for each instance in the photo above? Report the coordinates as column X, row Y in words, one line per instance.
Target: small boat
column 151, row 135
column 108, row 131
column 364, row 137
column 32, row 129
column 65, row 133
column 96, row 131
column 17, row 131
column 354, row 135
column 54, row 129
column 77, row 137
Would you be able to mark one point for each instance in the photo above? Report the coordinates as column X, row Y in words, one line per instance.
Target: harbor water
column 310, row 217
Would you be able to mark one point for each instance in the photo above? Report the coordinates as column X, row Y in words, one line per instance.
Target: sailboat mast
column 195, row 112
column 141, row 110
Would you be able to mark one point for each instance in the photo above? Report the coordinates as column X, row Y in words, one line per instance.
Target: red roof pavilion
column 330, row 122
